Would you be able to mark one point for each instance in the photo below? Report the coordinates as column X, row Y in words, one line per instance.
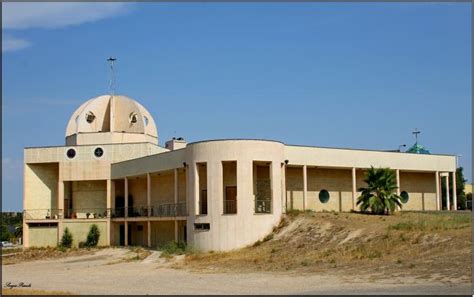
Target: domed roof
column 418, row 149
column 112, row 114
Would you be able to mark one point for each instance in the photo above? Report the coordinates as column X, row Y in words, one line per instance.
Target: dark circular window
column 71, row 153
column 98, row 152
column 324, row 196
column 404, row 196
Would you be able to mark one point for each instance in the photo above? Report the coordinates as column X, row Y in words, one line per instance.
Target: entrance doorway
column 122, row 234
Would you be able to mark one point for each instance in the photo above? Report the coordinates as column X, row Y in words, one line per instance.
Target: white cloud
column 54, row 15
column 13, row 44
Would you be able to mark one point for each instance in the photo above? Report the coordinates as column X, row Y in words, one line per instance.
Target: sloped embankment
column 423, row 245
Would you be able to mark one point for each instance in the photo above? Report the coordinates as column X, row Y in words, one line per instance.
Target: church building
column 213, row 194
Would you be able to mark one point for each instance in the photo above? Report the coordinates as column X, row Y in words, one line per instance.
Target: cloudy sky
column 343, row 75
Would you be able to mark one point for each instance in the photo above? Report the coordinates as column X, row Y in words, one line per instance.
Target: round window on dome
column 133, row 118
column 324, row 196
column 71, row 153
column 98, row 152
column 90, row 116
column 145, row 120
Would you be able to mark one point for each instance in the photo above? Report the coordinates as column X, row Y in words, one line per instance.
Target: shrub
column 173, row 248
column 93, row 236
column 66, row 240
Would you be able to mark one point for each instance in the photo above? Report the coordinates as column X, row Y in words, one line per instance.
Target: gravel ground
column 108, row 272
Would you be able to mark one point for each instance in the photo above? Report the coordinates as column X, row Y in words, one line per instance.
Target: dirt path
column 112, row 271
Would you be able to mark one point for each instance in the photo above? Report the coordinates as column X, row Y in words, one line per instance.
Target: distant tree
column 93, row 236
column 5, row 234
column 66, row 240
column 380, row 196
column 460, row 185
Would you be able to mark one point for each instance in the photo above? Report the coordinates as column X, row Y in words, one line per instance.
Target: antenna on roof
column 111, row 60
column 416, row 132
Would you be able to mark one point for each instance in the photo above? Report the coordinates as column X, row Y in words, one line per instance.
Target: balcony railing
column 42, row 214
column 157, row 210
column 87, row 213
column 263, row 206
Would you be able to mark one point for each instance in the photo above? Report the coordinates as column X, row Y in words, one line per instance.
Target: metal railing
column 42, row 214
column 169, row 210
column 230, row 206
column 263, row 206
column 87, row 213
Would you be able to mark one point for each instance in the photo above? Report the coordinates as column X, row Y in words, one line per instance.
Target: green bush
column 93, row 236
column 66, row 240
column 174, row 248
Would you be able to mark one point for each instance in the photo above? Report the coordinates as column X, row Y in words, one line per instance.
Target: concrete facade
column 214, row 195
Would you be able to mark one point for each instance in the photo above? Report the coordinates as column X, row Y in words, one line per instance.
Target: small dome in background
column 119, row 119
column 418, row 149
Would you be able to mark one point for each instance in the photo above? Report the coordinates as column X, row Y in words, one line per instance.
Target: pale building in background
column 214, row 194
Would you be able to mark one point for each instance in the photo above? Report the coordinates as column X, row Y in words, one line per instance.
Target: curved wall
column 230, row 231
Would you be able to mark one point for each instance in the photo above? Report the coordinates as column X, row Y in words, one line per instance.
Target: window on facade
column 262, row 187
column 229, row 180
column 202, row 178
column 404, row 197
column 71, row 153
column 98, row 152
column 324, row 196
column 202, row 226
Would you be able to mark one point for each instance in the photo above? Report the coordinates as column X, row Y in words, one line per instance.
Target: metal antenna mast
column 111, row 60
column 416, row 132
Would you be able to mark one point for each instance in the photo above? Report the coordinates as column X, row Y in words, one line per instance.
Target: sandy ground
column 107, row 272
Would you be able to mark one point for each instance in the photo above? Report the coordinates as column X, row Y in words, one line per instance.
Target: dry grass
column 8, row 292
column 33, row 254
column 419, row 244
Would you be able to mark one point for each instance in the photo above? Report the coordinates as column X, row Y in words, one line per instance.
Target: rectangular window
column 229, row 183
column 202, row 179
column 262, row 187
column 202, row 226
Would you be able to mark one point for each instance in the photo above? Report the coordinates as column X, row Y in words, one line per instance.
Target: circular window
column 133, row 118
column 98, row 152
column 404, row 197
column 71, row 153
column 324, row 196
column 90, row 116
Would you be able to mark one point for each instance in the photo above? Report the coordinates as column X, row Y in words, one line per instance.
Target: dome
column 111, row 119
column 418, row 149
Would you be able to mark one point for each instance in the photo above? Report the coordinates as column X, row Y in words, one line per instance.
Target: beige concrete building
column 214, row 195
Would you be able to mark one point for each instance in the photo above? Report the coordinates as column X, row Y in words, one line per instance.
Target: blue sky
column 343, row 75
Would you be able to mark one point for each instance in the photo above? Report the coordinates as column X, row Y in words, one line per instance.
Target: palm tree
column 380, row 195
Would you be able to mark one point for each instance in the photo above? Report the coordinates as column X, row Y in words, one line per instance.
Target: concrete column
column 148, row 193
column 126, row 232
column 283, row 188
column 455, row 195
column 109, row 206
column 148, row 242
column 438, row 198
column 305, row 188
column 354, row 188
column 176, row 185
column 125, row 182
column 60, row 200
column 176, row 231
column 397, row 171
column 126, row 211
column 448, row 200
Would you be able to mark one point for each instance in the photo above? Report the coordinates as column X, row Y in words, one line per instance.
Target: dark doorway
column 122, row 235
column 185, row 231
column 119, row 206
column 230, row 205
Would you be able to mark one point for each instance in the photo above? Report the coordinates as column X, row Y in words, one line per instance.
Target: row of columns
column 354, row 187
column 148, row 199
